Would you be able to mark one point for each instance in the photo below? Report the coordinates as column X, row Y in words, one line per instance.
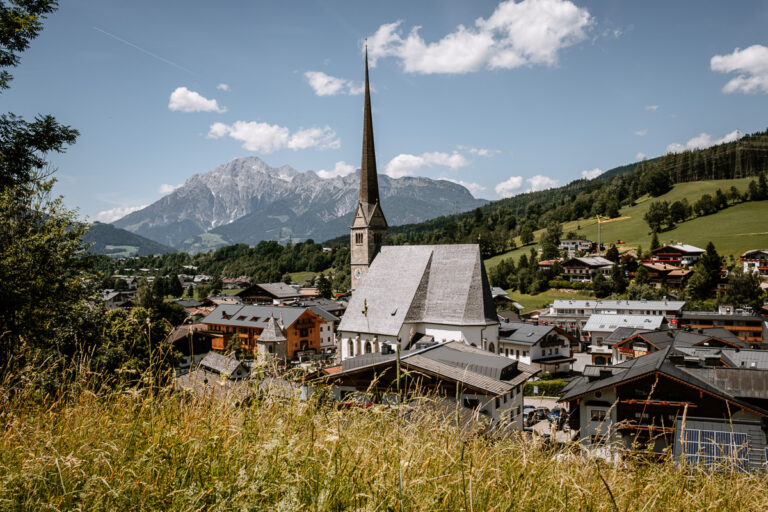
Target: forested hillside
column 496, row 225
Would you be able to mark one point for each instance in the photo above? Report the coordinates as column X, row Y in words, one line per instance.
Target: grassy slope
column 733, row 230
column 128, row 451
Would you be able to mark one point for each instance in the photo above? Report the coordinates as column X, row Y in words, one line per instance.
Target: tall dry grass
column 142, row 450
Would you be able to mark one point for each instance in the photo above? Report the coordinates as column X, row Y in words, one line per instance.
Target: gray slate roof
column 254, row 316
column 272, row 332
column 276, row 290
column 220, row 363
column 453, row 360
column 660, row 362
column 523, row 333
column 441, row 284
column 652, row 305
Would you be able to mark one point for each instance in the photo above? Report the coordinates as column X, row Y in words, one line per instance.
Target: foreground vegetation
column 136, row 451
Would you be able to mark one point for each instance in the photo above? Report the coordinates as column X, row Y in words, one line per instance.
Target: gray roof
column 498, row 292
column 523, row 333
column 621, row 334
column 682, row 247
column 609, row 323
column 660, row 362
column 441, row 284
column 326, row 304
column 733, row 357
column 453, row 360
column 254, row 316
column 272, row 332
column 592, row 261
column 220, row 363
column 276, row 290
column 654, row 305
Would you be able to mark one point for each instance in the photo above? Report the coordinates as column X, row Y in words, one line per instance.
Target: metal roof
column 681, row 247
column 441, row 284
column 652, row 305
column 276, row 290
column 609, row 323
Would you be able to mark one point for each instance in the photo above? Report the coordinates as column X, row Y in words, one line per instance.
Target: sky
column 503, row 97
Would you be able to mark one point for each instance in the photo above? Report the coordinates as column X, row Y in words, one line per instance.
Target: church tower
column 369, row 227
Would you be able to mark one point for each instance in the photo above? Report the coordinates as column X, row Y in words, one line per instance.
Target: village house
column 303, row 328
column 662, row 274
column 678, row 254
column 236, row 282
column 478, row 380
column 576, row 246
column 600, row 326
column 642, row 343
column 691, row 403
column 221, row 376
column 193, row 342
column 544, row 346
column 572, row 315
column 585, row 269
column 755, row 261
column 745, row 324
column 269, row 293
column 117, row 299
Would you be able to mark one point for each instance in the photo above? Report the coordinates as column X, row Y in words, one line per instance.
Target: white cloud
column 474, row 188
column 592, row 173
column 184, row 100
column 222, row 87
column 327, row 85
column 480, row 151
column 516, row 34
column 652, row 108
column 405, row 164
column 116, row 213
column 165, row 188
column 703, row 140
column 266, row 138
column 641, row 133
column 541, row 182
column 340, row 169
column 751, row 64
column 508, row 187
column 640, row 156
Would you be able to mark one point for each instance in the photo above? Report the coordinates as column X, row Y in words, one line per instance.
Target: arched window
column 367, row 347
column 351, row 347
column 491, row 348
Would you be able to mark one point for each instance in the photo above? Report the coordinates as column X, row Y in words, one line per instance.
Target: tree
column 762, row 186
column 617, row 277
column 550, row 241
column 744, row 289
column 677, row 212
column 657, row 214
column 656, row 182
column 612, row 254
column 655, row 242
column 43, row 268
column 712, row 263
column 526, row 234
column 324, row 287
column 641, row 276
column 699, row 284
column 601, row 286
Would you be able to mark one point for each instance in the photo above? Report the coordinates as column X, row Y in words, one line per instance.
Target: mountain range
column 246, row 200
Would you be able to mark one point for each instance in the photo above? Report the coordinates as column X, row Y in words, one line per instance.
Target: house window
column 377, row 238
column 597, row 415
column 498, row 403
column 517, row 354
column 303, row 332
column 471, row 403
column 351, row 347
column 358, row 238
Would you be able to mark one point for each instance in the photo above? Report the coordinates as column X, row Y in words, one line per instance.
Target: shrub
column 545, row 387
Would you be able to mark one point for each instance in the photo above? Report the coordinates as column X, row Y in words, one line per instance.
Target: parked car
column 527, row 409
column 357, row 399
column 536, row 415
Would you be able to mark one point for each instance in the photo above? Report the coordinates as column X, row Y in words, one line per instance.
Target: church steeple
column 369, row 227
column 369, row 184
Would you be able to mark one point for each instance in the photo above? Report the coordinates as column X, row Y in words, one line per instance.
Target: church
column 411, row 295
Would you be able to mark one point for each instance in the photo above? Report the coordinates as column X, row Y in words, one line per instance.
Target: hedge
column 545, row 387
column 574, row 285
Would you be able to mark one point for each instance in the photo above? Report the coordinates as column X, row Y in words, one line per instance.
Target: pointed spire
column 369, row 185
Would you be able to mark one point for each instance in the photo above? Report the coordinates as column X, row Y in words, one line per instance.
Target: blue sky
column 504, row 96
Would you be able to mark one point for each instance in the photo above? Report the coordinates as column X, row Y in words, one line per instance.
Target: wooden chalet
column 269, row 294
column 678, row 254
column 303, row 328
column 755, row 261
column 678, row 403
column 663, row 274
column 585, row 269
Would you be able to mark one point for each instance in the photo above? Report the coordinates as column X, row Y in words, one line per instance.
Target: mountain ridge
column 246, row 200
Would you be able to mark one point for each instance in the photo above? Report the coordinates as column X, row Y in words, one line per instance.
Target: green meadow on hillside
column 733, row 230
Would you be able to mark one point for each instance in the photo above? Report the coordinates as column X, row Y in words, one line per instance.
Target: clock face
column 357, row 273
